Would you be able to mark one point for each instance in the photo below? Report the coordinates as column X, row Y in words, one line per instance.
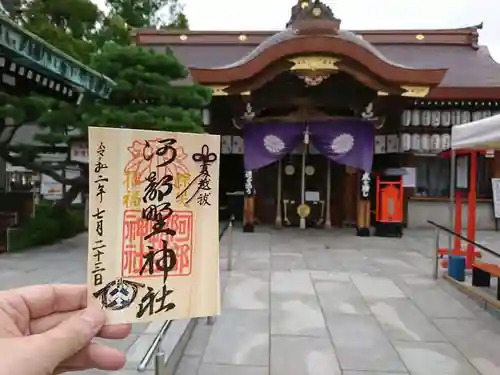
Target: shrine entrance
column 311, row 77
column 343, row 189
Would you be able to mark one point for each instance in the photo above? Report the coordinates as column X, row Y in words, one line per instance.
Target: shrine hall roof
column 468, row 64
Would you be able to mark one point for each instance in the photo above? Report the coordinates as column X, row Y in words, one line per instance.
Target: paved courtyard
column 66, row 262
column 316, row 303
column 330, row 303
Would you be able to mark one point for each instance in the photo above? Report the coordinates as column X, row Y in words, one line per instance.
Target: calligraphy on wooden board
column 153, row 224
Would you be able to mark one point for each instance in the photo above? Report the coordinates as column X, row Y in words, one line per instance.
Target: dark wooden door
column 265, row 182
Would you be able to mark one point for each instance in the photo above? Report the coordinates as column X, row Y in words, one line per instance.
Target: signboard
column 52, row 190
column 410, row 177
column 365, row 186
column 249, row 189
column 495, row 184
column 153, row 224
column 79, row 152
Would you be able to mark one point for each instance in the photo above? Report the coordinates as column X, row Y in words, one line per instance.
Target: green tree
column 152, row 90
column 70, row 26
column 148, row 94
column 150, row 13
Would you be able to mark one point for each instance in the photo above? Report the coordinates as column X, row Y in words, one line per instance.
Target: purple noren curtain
column 266, row 143
column 345, row 141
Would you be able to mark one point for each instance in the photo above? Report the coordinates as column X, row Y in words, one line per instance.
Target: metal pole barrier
column 154, row 347
column 159, row 362
column 230, row 244
column 436, row 255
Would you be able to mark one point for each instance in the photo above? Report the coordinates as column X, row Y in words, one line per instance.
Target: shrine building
column 304, row 113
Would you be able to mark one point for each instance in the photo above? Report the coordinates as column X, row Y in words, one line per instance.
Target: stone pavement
column 330, row 303
column 66, row 262
column 313, row 302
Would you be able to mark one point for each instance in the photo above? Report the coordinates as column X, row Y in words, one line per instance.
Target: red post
column 471, row 209
column 458, row 220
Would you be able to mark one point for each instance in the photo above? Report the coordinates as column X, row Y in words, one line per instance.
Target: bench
column 481, row 275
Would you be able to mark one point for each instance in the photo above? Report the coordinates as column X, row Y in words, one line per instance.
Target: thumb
column 69, row 337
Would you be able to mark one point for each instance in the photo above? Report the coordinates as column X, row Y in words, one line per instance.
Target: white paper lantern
column 237, row 147
column 425, row 142
column 436, row 118
column 435, row 142
column 405, row 143
column 415, row 142
column 380, row 144
column 426, row 118
column 415, row 117
column 226, row 144
column 445, row 141
column 392, row 143
column 477, row 115
column 446, row 118
column 406, row 117
column 465, row 117
column 455, row 117
column 206, row 116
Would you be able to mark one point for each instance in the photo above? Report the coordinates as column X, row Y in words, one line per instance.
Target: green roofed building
column 28, row 64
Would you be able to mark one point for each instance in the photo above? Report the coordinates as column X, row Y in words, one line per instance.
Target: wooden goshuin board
column 153, row 224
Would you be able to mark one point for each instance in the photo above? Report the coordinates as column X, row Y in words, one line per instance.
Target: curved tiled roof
column 289, row 33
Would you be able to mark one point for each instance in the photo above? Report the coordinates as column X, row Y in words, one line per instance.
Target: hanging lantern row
column 424, row 142
column 436, row 118
column 417, row 143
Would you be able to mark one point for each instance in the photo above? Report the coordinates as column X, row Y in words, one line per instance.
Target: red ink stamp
column 135, row 247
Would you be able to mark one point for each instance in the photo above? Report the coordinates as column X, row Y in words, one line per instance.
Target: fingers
column 67, row 338
column 46, row 323
column 42, row 300
column 94, row 356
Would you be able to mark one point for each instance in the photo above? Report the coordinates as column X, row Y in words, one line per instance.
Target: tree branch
column 41, row 168
column 10, row 137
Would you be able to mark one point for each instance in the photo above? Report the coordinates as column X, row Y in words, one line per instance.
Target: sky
column 355, row 15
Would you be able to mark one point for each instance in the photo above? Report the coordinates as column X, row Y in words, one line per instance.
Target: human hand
column 47, row 329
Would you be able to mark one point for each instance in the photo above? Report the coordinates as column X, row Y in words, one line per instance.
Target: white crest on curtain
column 274, row 144
column 342, row 144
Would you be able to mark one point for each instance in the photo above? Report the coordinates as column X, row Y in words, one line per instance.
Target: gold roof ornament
column 219, row 90
column 314, row 63
column 415, row 91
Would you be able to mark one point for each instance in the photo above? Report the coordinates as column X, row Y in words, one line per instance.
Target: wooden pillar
column 350, row 196
column 249, row 203
column 364, row 206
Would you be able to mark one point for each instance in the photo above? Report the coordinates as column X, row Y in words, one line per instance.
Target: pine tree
column 151, row 92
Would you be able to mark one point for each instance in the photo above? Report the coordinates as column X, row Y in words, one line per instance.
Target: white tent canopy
column 478, row 135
